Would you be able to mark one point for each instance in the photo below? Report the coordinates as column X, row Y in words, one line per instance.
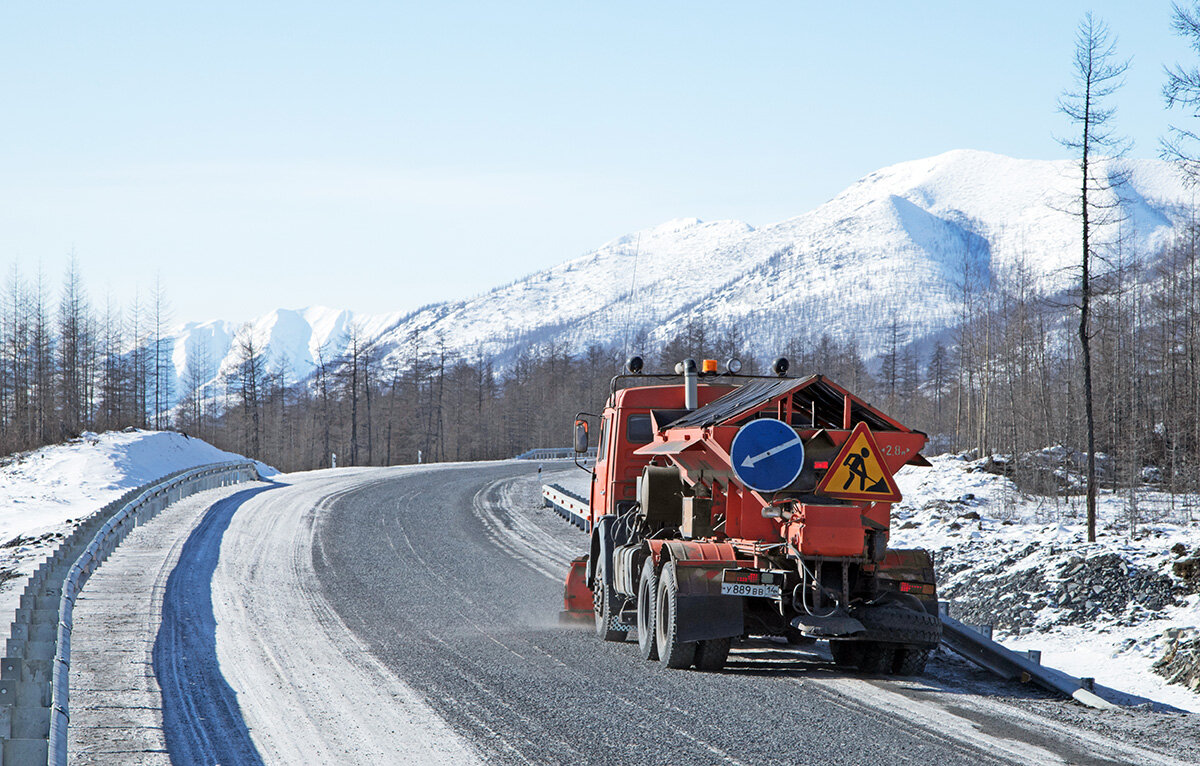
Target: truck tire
column 900, row 625
column 876, row 657
column 608, row 624
column 910, row 660
column 646, row 610
column 671, row 651
column 845, row 653
column 711, row 654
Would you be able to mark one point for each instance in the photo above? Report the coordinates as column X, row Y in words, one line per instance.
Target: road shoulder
column 115, row 699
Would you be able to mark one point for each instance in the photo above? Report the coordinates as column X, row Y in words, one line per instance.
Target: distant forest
column 1005, row 380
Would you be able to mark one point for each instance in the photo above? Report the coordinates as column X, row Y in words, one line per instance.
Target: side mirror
column 581, row 436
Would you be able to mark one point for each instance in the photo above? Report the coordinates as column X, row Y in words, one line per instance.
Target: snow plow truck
column 724, row 506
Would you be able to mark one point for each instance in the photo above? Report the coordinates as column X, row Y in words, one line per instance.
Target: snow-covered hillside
column 1109, row 610
column 43, row 493
column 892, row 245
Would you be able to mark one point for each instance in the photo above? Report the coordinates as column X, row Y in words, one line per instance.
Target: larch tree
column 1097, row 75
column 247, row 383
column 75, row 349
column 1182, row 91
column 162, row 348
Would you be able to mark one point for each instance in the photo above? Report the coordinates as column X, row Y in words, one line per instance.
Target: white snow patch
column 44, row 493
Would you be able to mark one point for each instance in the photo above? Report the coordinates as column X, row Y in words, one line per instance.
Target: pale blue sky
column 378, row 156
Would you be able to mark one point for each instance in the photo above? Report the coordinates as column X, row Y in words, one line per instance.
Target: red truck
column 724, row 506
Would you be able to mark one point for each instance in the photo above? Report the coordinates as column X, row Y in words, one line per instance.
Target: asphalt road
column 452, row 580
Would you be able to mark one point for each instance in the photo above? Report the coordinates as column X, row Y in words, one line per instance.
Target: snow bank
column 43, row 489
column 44, row 492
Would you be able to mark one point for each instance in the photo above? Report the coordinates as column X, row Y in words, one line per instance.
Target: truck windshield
column 638, row 429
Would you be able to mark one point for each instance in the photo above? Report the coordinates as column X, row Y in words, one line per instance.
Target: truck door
column 598, row 497
column 630, row 431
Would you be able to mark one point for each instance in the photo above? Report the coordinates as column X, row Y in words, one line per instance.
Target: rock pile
column 1061, row 589
column 1186, row 567
column 1181, row 662
column 1054, row 470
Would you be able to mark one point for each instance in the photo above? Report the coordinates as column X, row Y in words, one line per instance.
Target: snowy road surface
column 409, row 615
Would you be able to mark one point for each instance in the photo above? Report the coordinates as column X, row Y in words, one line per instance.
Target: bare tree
column 75, row 349
column 138, row 378
column 1182, row 90
column 352, row 372
column 1097, row 76
column 162, row 349
column 41, row 346
column 324, row 401
column 247, row 383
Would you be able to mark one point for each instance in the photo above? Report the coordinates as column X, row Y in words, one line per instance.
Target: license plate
column 747, row 589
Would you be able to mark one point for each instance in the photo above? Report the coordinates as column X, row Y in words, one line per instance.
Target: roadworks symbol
column 857, row 473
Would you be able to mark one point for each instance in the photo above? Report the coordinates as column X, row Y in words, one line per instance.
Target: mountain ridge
column 893, row 244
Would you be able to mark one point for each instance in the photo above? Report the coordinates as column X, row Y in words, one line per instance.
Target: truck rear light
column 916, row 587
column 821, row 465
column 751, row 577
column 744, row 578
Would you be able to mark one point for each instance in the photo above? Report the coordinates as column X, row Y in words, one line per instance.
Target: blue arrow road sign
column 767, row 454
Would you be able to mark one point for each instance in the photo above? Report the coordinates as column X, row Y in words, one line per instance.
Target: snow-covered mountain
column 893, row 245
column 293, row 341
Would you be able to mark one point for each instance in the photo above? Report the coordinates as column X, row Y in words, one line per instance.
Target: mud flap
column 577, row 597
column 705, row 617
column 703, row 612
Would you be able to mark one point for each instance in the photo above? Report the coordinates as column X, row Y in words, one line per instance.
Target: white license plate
column 744, row 589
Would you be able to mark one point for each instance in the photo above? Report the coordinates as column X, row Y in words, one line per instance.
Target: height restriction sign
column 857, row 473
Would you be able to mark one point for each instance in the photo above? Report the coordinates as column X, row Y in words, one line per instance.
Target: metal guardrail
column 1016, row 666
column 34, row 674
column 555, row 453
column 567, row 504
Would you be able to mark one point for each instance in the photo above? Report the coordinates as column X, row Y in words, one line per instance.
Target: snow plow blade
column 577, row 596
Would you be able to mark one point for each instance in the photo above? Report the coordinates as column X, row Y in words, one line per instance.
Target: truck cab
column 629, row 421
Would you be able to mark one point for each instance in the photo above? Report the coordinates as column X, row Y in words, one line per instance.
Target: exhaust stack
column 689, row 383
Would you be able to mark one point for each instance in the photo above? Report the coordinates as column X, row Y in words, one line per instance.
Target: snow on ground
column 45, row 492
column 1022, row 563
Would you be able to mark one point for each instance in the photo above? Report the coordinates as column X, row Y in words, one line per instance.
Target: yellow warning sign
column 857, row 473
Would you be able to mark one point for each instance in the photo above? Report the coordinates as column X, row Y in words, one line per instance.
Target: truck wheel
column 877, row 657
column 910, row 660
column 671, row 651
column 897, row 624
column 608, row 624
column 711, row 653
column 845, row 653
column 646, row 609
